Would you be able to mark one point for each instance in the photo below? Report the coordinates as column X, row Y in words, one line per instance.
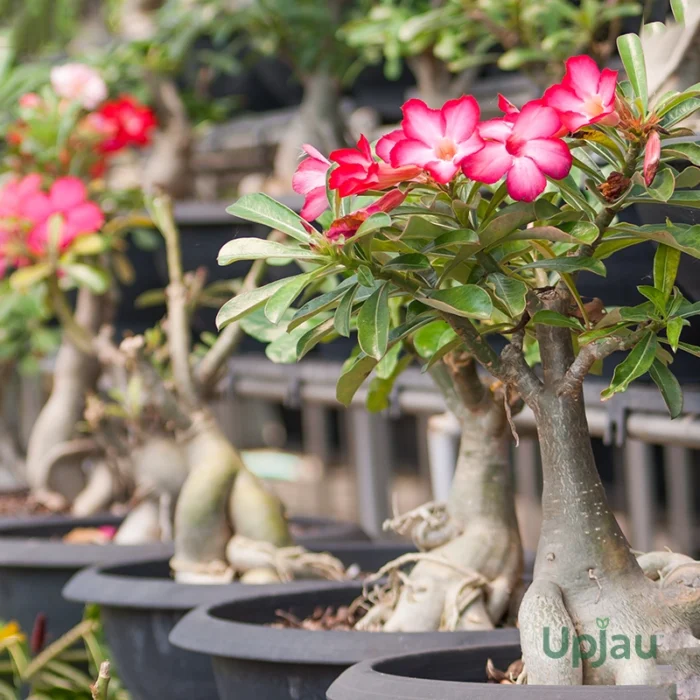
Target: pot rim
column 367, row 679
column 112, row 585
column 204, row 631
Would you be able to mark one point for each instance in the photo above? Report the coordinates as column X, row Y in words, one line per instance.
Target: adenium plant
column 482, row 229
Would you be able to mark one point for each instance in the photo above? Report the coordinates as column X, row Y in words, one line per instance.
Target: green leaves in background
column 668, row 386
column 262, row 209
column 666, row 261
column 373, row 323
column 637, row 363
column 259, row 248
column 632, row 55
column 467, row 300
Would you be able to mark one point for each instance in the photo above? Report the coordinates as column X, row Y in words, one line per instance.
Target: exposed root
column 429, row 525
column 98, row 493
column 656, row 565
column 141, row 525
column 286, row 563
column 214, row 571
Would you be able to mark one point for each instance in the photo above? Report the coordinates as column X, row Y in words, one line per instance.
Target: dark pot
column 459, row 674
column 141, row 604
column 253, row 660
column 35, row 564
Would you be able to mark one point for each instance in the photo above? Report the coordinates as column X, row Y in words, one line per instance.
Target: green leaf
column 421, row 227
column 688, row 178
column 637, row 363
column 243, row 304
column 673, row 331
column 408, row 262
column 427, row 340
column 598, row 333
column 688, row 309
column 467, row 300
column 26, row 277
column 373, row 323
column 569, row 264
column 321, row 303
column 151, row 297
column 690, row 151
column 655, row 296
column 678, row 9
column 513, row 217
column 284, row 297
column 313, row 337
column 261, row 248
column 510, row 291
column 632, row 55
column 374, row 223
column 343, row 313
column 389, row 362
column 668, row 386
column 262, row 209
column 547, row 317
column 94, row 244
column 637, row 314
column 680, row 112
column 585, row 231
column 96, row 279
column 663, row 186
column 666, row 261
column 683, row 237
column 352, row 377
column 365, row 276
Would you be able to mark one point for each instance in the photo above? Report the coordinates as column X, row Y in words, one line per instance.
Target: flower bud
column 652, row 156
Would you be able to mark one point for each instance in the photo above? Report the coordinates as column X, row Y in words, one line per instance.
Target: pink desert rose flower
column 511, row 112
column 585, row 96
column 78, row 82
column 30, row 100
column 652, row 156
column 68, row 200
column 437, row 140
column 15, row 222
column 310, row 180
column 347, row 226
column 358, row 171
column 525, row 150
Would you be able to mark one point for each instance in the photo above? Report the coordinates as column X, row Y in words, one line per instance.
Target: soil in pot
column 140, row 605
column 461, row 674
column 252, row 658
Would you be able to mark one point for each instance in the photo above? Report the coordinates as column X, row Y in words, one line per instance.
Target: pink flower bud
column 652, row 155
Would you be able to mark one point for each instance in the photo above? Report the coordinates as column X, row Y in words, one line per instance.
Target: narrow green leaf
column 688, row 309
column 668, row 386
column 243, row 304
column 343, row 313
column 569, row 264
column 96, row 279
column 352, row 377
column 598, row 333
column 680, row 112
column 690, row 151
column 284, row 297
column 262, row 209
column 510, row 218
column 510, row 291
column 321, row 303
column 632, row 55
column 257, row 248
column 427, row 340
column 683, row 237
column 467, row 300
column 27, row 277
column 666, row 261
column 655, row 296
column 663, row 186
column 365, row 276
column 374, row 223
column 547, row 317
column 678, row 9
column 373, row 323
column 388, row 363
column 688, row 178
column 634, row 365
column 408, row 262
column 673, row 331
column 313, row 337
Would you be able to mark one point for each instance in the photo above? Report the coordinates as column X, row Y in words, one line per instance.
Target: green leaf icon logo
column 602, row 622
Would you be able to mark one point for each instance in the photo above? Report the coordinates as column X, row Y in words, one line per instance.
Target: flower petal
column 411, row 152
column 489, row 164
column 85, row 218
column 552, row 156
column 387, row 202
column 67, row 192
column 311, row 173
column 314, row 153
column 422, row 123
column 315, row 204
column 442, row 171
column 525, row 181
column 607, row 85
column 506, row 106
column 461, row 117
column 536, row 121
column 582, row 76
column 387, row 142
column 562, row 99
column 495, row 130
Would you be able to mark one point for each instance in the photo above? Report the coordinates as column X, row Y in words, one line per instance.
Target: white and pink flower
column 525, row 150
column 310, row 181
column 80, row 83
column 437, row 140
column 585, row 96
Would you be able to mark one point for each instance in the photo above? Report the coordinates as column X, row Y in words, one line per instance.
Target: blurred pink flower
column 68, row 201
column 15, row 223
column 585, row 96
column 525, row 150
column 78, row 82
column 310, row 180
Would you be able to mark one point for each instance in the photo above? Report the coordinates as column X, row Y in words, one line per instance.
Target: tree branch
column 177, row 314
column 79, row 335
column 571, row 382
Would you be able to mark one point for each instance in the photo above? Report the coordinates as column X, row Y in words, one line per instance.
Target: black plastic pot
column 35, row 564
column 141, row 604
column 253, row 660
column 459, row 674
